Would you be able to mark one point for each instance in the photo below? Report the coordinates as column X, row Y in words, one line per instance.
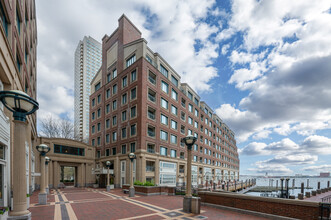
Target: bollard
column 291, row 197
column 308, row 194
column 313, row 193
column 322, row 190
column 319, row 185
column 318, row 191
column 307, row 183
column 276, row 184
column 302, row 188
column 293, row 183
column 195, row 205
column 300, row 196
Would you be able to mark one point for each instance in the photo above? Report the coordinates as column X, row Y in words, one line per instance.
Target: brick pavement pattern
column 88, row 203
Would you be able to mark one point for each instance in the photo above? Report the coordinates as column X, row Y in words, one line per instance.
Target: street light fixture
column 47, row 160
column 132, row 156
column 43, row 150
column 189, row 141
column 108, row 166
column 21, row 105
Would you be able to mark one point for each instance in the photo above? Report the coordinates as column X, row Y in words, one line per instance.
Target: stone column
column 56, row 174
column 19, row 171
column 50, row 171
column 46, row 179
column 142, row 169
column 131, row 189
column 117, row 172
column 42, row 196
column 108, row 185
column 157, row 171
column 83, row 175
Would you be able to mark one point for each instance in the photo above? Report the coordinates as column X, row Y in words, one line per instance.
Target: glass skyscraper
column 87, row 63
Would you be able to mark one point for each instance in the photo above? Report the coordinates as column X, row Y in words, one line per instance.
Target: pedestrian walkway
column 89, row 203
column 318, row 197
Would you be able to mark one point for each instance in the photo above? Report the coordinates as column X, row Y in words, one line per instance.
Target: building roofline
column 124, row 16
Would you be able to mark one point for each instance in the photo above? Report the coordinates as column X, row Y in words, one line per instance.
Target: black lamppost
column 43, row 150
column 132, row 156
column 21, row 105
column 189, row 141
column 108, row 166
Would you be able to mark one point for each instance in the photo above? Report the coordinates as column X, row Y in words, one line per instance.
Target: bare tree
column 52, row 128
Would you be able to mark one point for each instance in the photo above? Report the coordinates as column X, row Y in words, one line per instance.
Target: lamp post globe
column 21, row 104
column 43, row 149
column 132, row 156
column 18, row 102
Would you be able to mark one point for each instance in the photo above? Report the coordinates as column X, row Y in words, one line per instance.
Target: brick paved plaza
column 88, row 203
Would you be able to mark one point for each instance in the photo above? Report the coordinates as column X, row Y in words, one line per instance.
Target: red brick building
column 138, row 104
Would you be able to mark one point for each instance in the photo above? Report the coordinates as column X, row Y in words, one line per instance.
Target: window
column 114, row 120
column 183, row 103
column 189, row 132
column 124, row 116
column 108, row 78
column 164, row 119
column 107, row 109
column 114, row 89
column 97, row 86
column 93, row 142
column 108, row 93
column 149, row 59
column 164, row 103
column 93, row 102
column 133, row 93
column 196, row 124
column 151, row 148
column 114, row 150
column 93, row 129
column 114, row 136
column 196, row 112
column 173, row 124
column 133, row 75
column 196, row 101
column 107, row 138
column 114, row 105
column 152, row 77
column 182, row 129
column 124, row 99
column 164, row 71
column 131, row 60
column 151, row 131
column 114, row 73
column 195, row 158
column 190, row 120
column 99, row 113
column 123, row 133
column 173, row 139
column 107, row 152
column 182, row 155
column 164, row 135
column 124, row 81
column 107, row 123
column 93, row 115
column 163, row 151
column 164, row 87
column 99, row 126
column 173, row 153
column 174, row 80
column 151, row 95
column 173, row 109
column 18, row 22
column 182, row 116
column 133, row 111
column 174, row 94
column 99, row 154
column 133, row 129
column 61, row 149
column 123, row 149
column 151, row 113
column 189, row 95
column 3, row 19
column 133, row 147
column 98, row 141
column 190, row 108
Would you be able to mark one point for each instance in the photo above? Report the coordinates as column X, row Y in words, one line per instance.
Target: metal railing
column 151, row 115
column 151, row 79
column 325, row 211
column 150, row 168
column 151, row 133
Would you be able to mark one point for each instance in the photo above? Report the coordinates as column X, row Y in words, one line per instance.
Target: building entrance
column 68, row 176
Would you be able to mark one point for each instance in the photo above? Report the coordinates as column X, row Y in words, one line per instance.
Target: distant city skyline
column 263, row 66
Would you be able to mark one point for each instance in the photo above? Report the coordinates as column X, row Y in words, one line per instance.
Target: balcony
column 151, row 79
column 150, row 168
column 151, row 115
column 151, row 97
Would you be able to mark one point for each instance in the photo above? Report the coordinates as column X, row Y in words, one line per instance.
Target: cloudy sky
column 263, row 66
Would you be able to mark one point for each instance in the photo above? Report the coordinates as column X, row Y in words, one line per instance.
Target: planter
column 152, row 190
column 28, row 202
column 4, row 216
column 112, row 186
column 95, row 185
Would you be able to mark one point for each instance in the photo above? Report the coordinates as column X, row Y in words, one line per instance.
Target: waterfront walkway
column 88, row 203
column 318, row 197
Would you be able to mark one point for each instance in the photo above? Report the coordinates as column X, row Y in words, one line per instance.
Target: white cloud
column 320, row 168
column 271, row 169
column 225, row 49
